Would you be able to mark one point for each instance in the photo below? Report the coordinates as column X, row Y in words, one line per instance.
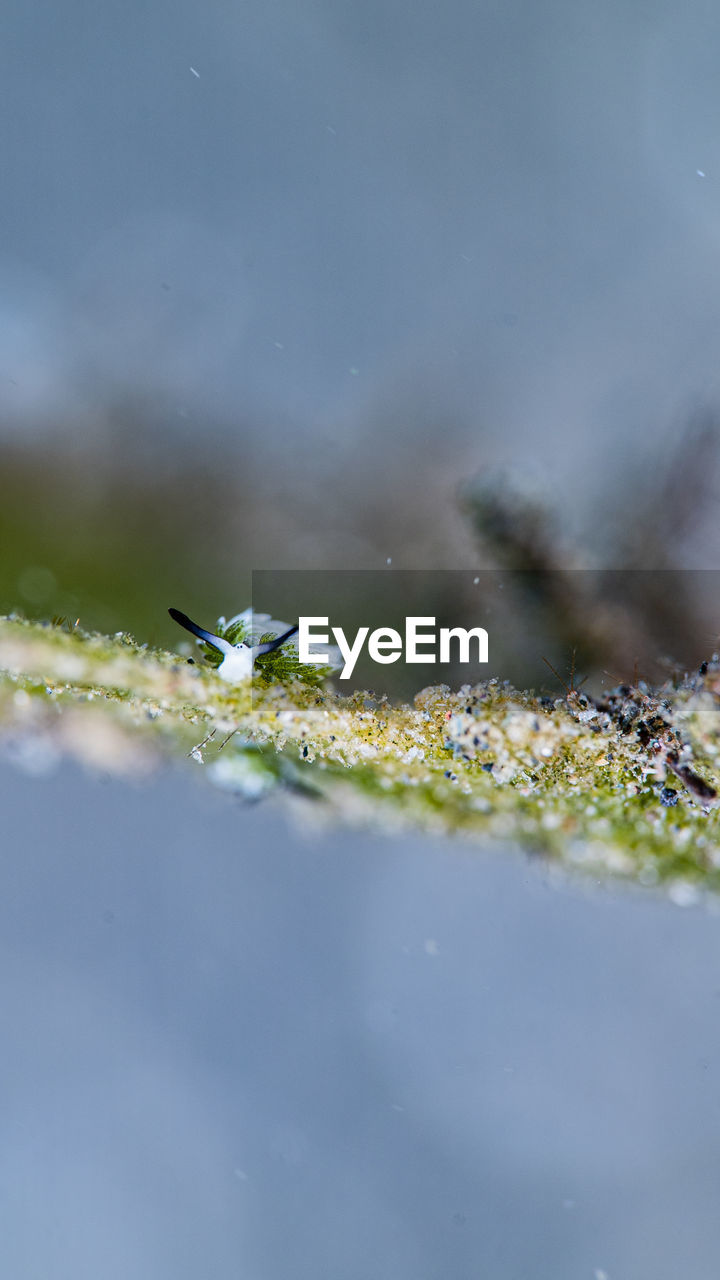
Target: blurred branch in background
column 113, row 530
column 647, row 604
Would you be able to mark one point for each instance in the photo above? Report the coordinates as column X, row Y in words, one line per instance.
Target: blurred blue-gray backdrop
column 350, row 257
column 278, row 283
column 230, row 1050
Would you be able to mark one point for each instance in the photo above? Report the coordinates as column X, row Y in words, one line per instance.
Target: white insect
column 240, row 658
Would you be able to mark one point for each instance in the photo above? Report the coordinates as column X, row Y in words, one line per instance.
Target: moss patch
column 627, row 785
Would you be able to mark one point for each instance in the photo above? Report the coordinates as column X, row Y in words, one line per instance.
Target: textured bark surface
column 625, row 786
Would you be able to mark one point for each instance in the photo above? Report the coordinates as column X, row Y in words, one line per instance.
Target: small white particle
column 648, row 874
column 389, row 560
column 280, row 346
column 683, row 893
column 700, row 173
column 431, row 947
column 600, row 1274
column 195, row 73
column 36, row 757
column 475, row 581
column 354, row 371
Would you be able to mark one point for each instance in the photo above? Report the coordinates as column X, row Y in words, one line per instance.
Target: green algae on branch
column 627, row 785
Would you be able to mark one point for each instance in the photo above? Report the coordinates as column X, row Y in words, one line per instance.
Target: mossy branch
column 627, row 786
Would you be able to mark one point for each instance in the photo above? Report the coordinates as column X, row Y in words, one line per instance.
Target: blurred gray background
column 234, row 1049
column 280, row 280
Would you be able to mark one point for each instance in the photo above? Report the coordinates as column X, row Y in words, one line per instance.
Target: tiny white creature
column 239, row 658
